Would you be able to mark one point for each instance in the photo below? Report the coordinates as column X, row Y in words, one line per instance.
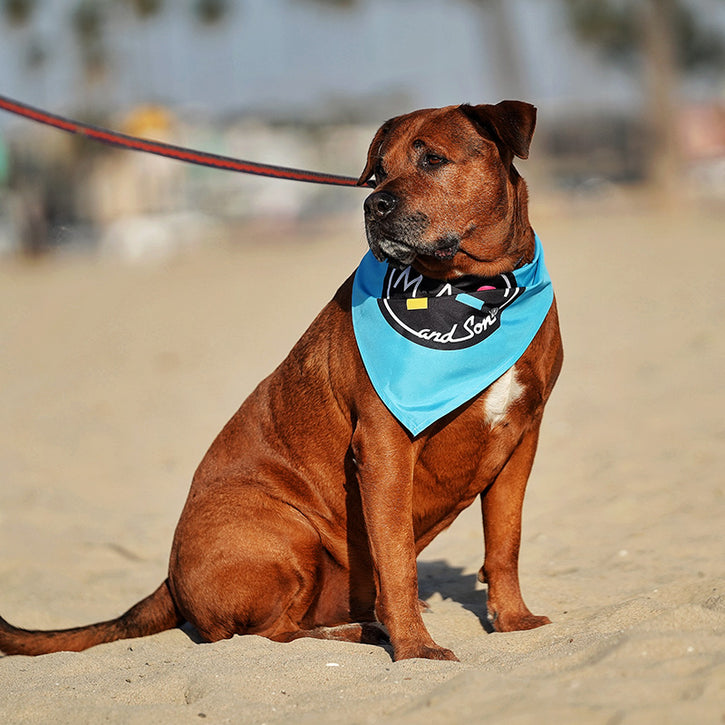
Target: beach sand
column 115, row 378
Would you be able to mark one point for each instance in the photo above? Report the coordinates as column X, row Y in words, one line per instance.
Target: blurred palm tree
column 90, row 19
column 210, row 11
column 18, row 12
column 662, row 40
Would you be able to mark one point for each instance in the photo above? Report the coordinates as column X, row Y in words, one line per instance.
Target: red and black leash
column 202, row 158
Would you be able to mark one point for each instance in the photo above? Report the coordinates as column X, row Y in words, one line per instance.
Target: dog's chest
column 500, row 396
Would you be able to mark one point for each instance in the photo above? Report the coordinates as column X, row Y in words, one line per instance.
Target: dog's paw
column 517, row 622
column 424, row 651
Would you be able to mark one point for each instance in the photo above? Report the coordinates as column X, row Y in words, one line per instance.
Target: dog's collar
column 429, row 346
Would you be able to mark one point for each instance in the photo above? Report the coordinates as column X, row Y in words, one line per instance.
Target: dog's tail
column 154, row 614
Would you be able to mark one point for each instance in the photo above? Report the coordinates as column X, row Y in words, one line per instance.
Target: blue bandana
column 429, row 346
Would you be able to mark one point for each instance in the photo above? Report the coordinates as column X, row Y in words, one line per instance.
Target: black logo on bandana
column 441, row 315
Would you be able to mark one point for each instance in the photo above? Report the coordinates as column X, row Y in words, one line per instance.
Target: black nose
column 380, row 204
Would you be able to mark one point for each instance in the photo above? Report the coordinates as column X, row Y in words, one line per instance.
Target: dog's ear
column 513, row 122
column 374, row 154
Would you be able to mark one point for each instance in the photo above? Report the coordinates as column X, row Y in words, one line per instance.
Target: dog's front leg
column 385, row 459
column 501, row 507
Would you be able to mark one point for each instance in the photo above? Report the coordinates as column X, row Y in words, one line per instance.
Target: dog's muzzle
column 396, row 237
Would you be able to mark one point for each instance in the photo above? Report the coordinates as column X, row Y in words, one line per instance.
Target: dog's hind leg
column 358, row 632
column 244, row 563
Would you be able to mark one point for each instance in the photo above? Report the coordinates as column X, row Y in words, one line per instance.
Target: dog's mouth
column 400, row 243
column 446, row 248
column 396, row 253
column 402, row 254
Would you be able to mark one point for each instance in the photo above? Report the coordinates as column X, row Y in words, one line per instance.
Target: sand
column 116, row 377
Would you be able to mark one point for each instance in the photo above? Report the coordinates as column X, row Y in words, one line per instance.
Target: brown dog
column 307, row 513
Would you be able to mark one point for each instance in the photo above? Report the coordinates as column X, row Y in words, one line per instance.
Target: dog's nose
column 380, row 204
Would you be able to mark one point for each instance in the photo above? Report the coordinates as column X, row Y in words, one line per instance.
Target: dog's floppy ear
column 512, row 121
column 373, row 154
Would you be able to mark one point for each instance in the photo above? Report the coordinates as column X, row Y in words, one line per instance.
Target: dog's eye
column 433, row 160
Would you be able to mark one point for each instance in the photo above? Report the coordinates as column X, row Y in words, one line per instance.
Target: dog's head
column 447, row 198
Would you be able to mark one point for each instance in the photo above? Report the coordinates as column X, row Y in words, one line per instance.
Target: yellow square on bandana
column 417, row 303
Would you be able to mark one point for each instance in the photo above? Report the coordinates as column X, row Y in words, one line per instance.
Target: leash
column 191, row 156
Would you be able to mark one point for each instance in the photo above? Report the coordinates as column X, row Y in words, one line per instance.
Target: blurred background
column 631, row 98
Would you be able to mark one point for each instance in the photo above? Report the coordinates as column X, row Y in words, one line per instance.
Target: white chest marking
column 500, row 395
